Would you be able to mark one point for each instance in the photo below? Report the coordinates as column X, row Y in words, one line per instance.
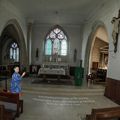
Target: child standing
column 16, row 81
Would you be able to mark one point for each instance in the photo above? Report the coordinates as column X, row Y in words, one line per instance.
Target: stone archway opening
column 12, row 33
column 97, row 52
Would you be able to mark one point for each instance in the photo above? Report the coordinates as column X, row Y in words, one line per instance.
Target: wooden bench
column 11, row 102
column 104, row 114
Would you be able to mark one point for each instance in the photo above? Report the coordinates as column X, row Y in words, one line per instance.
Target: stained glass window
column 56, row 43
column 64, row 47
column 48, row 47
column 14, row 52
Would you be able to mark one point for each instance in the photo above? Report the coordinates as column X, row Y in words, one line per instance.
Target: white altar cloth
column 51, row 71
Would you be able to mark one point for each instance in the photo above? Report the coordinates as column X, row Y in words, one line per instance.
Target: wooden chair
column 11, row 102
column 104, row 114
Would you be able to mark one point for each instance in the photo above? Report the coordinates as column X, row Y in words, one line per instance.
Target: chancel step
column 64, row 91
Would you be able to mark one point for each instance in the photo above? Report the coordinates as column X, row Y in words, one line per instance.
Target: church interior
column 69, row 54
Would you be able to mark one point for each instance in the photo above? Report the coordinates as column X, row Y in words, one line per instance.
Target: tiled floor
column 54, row 102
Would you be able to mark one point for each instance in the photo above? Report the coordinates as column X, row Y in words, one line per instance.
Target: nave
column 59, row 59
column 51, row 102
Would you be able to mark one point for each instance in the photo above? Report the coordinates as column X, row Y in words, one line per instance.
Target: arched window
column 56, row 43
column 14, row 52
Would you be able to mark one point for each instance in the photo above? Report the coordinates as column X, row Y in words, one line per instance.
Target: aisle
column 49, row 102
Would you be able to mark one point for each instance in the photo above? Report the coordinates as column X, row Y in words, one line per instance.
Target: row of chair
column 104, row 114
column 10, row 106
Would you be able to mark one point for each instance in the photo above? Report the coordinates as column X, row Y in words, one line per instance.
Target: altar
column 54, row 71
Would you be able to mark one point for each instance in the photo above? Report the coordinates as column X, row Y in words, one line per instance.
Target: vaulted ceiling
column 58, row 11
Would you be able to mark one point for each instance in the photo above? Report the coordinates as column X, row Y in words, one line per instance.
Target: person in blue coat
column 16, row 81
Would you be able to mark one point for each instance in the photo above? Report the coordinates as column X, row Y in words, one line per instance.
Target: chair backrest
column 10, row 101
column 9, row 97
column 105, row 113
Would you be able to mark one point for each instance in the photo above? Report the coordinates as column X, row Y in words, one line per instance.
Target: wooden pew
column 4, row 115
column 11, row 102
column 104, row 114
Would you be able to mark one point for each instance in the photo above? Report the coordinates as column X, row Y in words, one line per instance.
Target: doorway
column 98, row 59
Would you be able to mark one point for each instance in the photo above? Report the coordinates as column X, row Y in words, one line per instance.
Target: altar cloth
column 51, row 71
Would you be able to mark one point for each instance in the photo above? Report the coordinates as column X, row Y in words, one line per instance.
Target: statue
column 116, row 24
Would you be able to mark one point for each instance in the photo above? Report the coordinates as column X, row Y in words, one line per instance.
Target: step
column 65, row 91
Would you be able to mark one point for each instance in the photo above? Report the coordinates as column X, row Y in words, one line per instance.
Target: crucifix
column 116, row 28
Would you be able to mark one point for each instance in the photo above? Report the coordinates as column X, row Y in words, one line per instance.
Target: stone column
column 29, row 40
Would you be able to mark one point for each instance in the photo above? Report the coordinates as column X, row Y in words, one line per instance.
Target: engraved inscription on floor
column 51, row 100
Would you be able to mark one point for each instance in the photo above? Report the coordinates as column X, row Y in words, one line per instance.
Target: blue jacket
column 16, row 83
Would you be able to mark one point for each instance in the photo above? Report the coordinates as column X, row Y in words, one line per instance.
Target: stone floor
column 61, row 108
column 59, row 102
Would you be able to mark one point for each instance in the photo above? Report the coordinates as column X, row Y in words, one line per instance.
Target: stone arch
column 20, row 39
column 90, row 43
